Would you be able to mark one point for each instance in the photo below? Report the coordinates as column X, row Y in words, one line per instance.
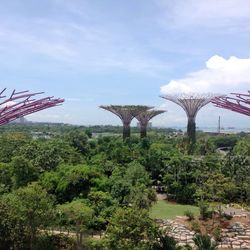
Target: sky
column 93, row 52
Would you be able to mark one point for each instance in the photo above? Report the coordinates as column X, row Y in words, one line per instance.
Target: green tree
column 31, row 208
column 130, row 229
column 48, row 154
column 132, row 186
column 103, row 206
column 5, row 177
column 10, row 144
column 68, row 182
column 243, row 147
column 78, row 215
column 22, row 172
column 79, row 140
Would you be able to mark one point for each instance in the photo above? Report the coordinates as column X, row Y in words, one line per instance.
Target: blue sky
column 94, row 52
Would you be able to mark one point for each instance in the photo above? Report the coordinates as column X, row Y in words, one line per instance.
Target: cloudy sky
column 94, row 52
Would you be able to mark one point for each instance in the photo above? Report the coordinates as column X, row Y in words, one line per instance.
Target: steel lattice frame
column 239, row 103
column 191, row 103
column 144, row 117
column 20, row 104
column 126, row 113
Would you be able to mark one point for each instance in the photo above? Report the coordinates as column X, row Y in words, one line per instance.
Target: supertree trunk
column 191, row 103
column 191, row 131
column 144, row 117
column 126, row 131
column 143, row 131
column 126, row 113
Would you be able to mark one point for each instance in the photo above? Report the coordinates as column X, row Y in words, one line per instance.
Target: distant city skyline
column 94, row 53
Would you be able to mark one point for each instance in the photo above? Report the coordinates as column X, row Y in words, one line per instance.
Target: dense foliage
column 77, row 179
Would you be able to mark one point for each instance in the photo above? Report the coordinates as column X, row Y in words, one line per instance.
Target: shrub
column 204, row 212
column 217, row 234
column 195, row 226
column 94, row 244
column 189, row 214
column 204, row 242
column 54, row 242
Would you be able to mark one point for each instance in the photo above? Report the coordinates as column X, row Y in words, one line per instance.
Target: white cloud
column 220, row 75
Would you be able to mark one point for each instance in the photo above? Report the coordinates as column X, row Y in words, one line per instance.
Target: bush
column 189, row 214
column 195, row 226
column 165, row 242
column 204, row 210
column 217, row 234
column 54, row 242
column 93, row 244
column 204, row 242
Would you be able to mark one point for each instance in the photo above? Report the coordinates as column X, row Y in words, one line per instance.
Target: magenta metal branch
column 22, row 103
column 239, row 103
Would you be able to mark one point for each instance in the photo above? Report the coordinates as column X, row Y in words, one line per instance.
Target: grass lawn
column 166, row 210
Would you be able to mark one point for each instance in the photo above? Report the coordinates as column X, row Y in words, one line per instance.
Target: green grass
column 166, row 210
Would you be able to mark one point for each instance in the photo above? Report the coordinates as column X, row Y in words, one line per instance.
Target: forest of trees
column 75, row 182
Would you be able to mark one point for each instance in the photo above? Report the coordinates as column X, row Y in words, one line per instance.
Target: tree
column 68, row 182
column 5, row 178
column 219, row 188
column 12, row 227
column 132, row 186
column 78, row 139
column 29, row 209
column 10, row 144
column 48, row 154
column 131, row 229
column 22, row 172
column 237, row 168
column 103, row 206
column 242, row 147
column 78, row 215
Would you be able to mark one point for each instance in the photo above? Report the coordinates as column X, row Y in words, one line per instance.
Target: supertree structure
column 191, row 103
column 126, row 113
column 144, row 117
column 22, row 103
column 239, row 103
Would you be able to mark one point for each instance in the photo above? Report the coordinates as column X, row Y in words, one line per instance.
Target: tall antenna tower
column 219, row 125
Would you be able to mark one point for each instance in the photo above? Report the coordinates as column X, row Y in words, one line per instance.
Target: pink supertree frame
column 22, row 103
column 239, row 103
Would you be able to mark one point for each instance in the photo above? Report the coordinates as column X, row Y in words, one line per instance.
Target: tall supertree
column 126, row 113
column 144, row 117
column 191, row 103
column 239, row 103
column 20, row 104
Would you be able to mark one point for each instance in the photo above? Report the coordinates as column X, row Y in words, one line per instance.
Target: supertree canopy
column 126, row 113
column 144, row 117
column 238, row 102
column 191, row 103
column 20, row 104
